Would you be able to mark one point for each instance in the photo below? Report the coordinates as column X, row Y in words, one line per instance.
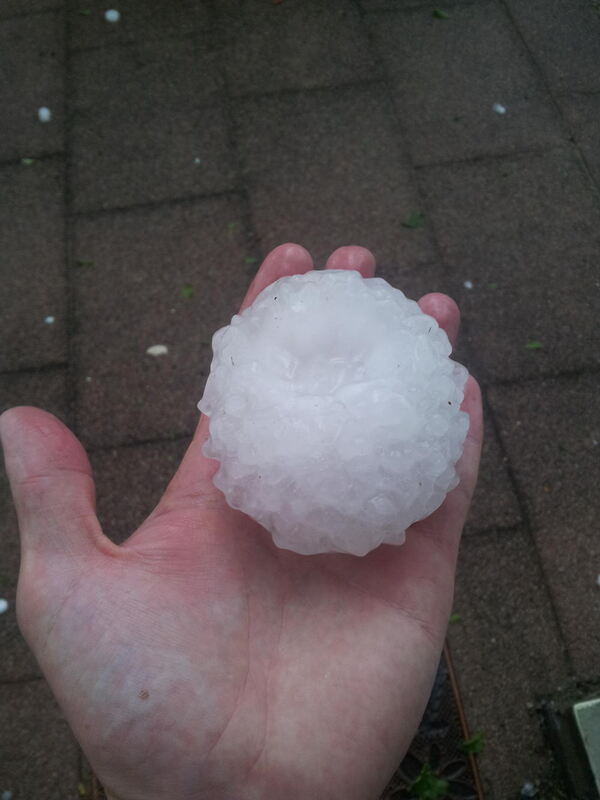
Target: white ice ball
column 334, row 412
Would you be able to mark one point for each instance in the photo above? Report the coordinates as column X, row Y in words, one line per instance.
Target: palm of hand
column 200, row 661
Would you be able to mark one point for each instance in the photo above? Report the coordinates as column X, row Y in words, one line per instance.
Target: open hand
column 198, row 660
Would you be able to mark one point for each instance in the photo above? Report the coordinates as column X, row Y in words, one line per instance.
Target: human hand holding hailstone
column 200, row 661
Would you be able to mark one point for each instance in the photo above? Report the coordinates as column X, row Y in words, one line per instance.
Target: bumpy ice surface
column 334, row 412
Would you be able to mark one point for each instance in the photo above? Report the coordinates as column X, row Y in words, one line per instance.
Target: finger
column 287, row 259
column 445, row 311
column 193, row 480
column 51, row 482
column 445, row 525
column 468, row 466
column 353, row 257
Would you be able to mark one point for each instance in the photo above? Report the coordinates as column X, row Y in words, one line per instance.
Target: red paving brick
column 131, row 299
column 508, row 654
column 525, row 231
column 318, row 176
column 32, row 76
column 445, row 104
column 39, row 754
column 269, row 46
column 564, row 39
column 495, row 503
column 33, row 286
column 556, row 456
column 583, row 117
column 160, row 131
column 141, row 21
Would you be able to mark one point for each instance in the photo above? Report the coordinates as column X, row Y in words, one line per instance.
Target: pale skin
column 197, row 661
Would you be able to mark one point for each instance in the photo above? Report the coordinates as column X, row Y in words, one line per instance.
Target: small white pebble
column 44, row 114
column 598, row 581
column 112, row 15
column 529, row 789
column 3, row 605
column 88, row 379
column 49, row 320
column 197, row 160
column 499, row 108
column 468, row 284
column 157, row 350
column 6, row 795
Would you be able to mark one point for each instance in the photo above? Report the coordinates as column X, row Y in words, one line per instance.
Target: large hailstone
column 334, row 412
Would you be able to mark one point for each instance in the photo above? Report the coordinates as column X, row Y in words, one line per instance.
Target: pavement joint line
column 178, row 437
column 17, row 161
column 528, row 526
column 233, row 142
column 291, row 91
column 418, row 8
column 402, row 134
column 561, row 375
column 23, row 680
column 232, row 136
column 70, row 299
column 540, row 150
column 489, row 530
column 154, row 204
column 487, row 382
column 53, row 366
column 134, row 42
column 21, row 14
column 578, row 93
column 545, row 83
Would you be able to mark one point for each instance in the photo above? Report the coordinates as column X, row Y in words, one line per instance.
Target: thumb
column 52, row 486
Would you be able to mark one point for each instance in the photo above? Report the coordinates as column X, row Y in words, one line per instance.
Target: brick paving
column 189, row 139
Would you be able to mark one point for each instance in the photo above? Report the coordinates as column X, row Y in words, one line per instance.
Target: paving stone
column 130, row 481
column 564, row 39
column 39, row 753
column 46, row 390
column 141, row 21
column 32, row 267
column 136, row 140
column 583, row 115
column 507, row 652
column 317, row 175
column 32, row 50
column 555, row 453
column 526, row 231
column 495, row 503
column 444, row 102
column 132, row 299
column 290, row 45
